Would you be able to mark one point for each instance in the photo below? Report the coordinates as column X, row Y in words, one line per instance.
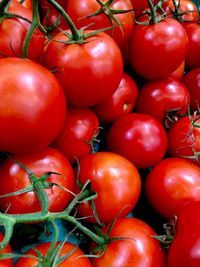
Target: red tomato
column 116, row 182
column 184, row 138
column 14, row 177
column 33, row 106
column 122, row 101
column 179, row 72
column 14, row 30
column 90, row 71
column 184, row 250
column 6, row 249
column 152, row 53
column 192, row 82
column 78, row 10
column 77, row 138
column 138, row 248
column 171, row 183
column 76, row 256
column 187, row 10
column 164, row 99
column 138, row 137
column 192, row 58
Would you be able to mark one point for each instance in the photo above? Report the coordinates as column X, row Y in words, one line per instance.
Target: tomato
column 164, row 99
column 179, row 72
column 6, row 249
column 14, row 178
column 89, row 72
column 78, row 10
column 122, row 101
column 192, row 58
column 192, row 82
column 32, row 108
column 116, row 182
column 171, row 183
column 187, row 10
column 152, row 52
column 13, row 32
column 76, row 256
column 77, row 138
column 138, row 137
column 184, row 138
column 184, row 250
column 135, row 246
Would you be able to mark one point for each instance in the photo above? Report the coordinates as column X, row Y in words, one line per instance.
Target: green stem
column 153, row 12
column 75, row 33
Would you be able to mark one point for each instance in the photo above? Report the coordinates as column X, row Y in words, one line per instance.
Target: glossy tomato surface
column 14, row 178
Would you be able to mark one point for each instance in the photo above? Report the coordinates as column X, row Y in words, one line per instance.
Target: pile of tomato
column 99, row 133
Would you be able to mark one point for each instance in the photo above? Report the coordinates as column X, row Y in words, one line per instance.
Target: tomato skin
column 184, row 138
column 131, row 136
column 184, row 250
column 128, row 252
column 179, row 72
column 15, row 178
column 122, row 101
column 77, row 10
column 13, row 32
column 76, row 259
column 152, row 53
column 74, row 140
column 192, row 58
column 192, row 82
column 34, row 109
column 171, row 183
column 99, row 68
column 117, row 184
column 157, row 98
column 6, row 249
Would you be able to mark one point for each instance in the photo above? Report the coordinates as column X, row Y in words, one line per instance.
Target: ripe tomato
column 192, row 58
column 164, row 99
column 13, row 31
column 122, row 101
column 184, row 250
column 76, row 256
column 32, row 108
column 78, row 10
column 192, row 82
column 171, row 183
column 138, row 137
column 89, row 72
column 6, row 249
column 116, row 182
column 77, row 137
column 152, row 53
column 14, row 177
column 184, row 138
column 137, row 248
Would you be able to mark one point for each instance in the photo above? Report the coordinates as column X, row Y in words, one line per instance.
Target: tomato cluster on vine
column 99, row 130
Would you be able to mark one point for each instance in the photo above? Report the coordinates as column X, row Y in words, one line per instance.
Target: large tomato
column 79, row 10
column 184, row 138
column 116, row 182
column 6, row 249
column 164, row 99
column 171, row 183
column 76, row 256
column 13, row 31
column 135, row 246
column 157, row 49
column 77, row 137
column 89, row 71
column 138, row 137
column 32, row 107
column 122, row 101
column 184, row 250
column 14, row 178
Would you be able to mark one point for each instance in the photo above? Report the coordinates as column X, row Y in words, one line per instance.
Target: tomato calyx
column 169, row 233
